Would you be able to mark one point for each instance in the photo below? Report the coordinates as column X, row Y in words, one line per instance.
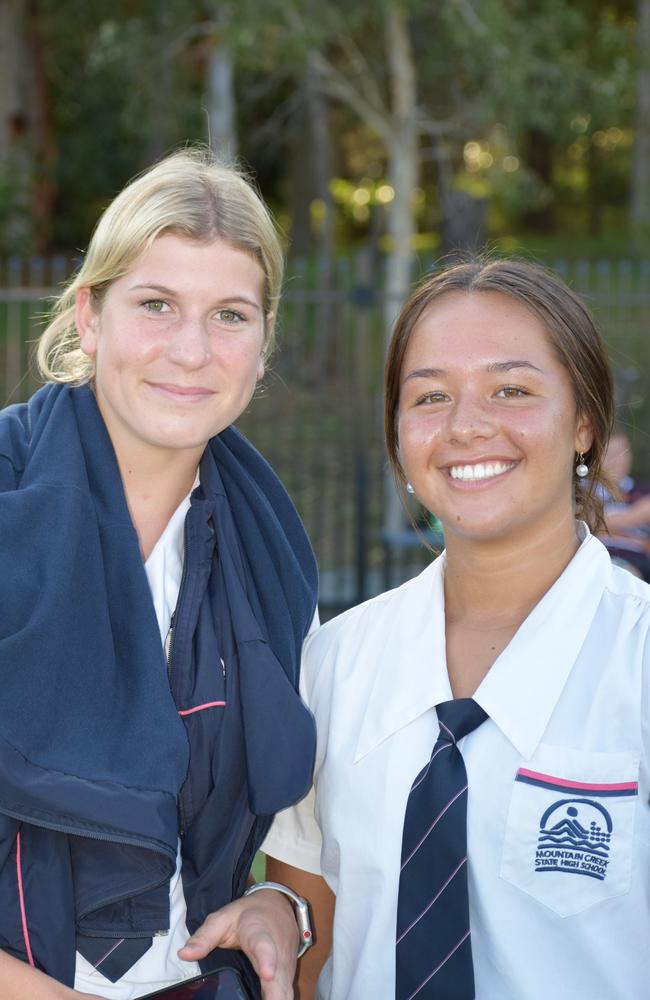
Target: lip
column 182, row 393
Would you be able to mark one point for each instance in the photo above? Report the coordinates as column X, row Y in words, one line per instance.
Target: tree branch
column 336, row 85
column 478, row 26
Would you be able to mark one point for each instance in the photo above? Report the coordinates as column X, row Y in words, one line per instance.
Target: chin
column 479, row 532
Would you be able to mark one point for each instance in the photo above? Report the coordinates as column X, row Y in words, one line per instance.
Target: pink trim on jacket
column 21, row 900
column 199, row 708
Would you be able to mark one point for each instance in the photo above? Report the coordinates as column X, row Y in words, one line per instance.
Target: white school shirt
column 160, row 966
column 556, row 909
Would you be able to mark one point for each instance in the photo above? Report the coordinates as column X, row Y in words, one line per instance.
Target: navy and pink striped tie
column 433, row 952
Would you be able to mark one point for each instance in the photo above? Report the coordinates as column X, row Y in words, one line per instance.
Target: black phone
column 222, row 984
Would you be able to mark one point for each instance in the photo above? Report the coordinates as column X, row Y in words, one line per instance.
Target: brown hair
column 572, row 334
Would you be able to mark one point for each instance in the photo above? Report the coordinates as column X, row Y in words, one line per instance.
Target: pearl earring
column 409, row 488
column 582, row 470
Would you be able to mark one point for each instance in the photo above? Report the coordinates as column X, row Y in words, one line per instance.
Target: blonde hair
column 188, row 194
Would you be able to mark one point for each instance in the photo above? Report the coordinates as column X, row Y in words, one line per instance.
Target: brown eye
column 432, row 397
column 511, row 392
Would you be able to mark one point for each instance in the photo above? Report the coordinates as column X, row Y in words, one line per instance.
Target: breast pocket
column 570, row 827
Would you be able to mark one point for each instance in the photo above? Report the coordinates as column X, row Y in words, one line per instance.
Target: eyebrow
column 507, row 366
column 493, row 366
column 164, row 290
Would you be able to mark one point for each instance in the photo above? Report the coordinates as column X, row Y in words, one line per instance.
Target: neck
column 154, row 486
column 498, row 584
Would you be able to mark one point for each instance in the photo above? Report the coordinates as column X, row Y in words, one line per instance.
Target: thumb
column 216, row 931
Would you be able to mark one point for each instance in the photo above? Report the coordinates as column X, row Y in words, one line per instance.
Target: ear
column 584, row 434
column 87, row 321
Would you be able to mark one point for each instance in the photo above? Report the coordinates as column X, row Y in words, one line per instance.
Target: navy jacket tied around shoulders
column 95, row 775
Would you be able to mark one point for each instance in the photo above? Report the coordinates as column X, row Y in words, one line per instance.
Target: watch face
column 224, row 984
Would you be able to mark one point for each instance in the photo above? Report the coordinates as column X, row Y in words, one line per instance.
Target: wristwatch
column 301, row 910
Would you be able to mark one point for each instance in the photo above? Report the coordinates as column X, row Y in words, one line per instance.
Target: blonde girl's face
column 178, row 345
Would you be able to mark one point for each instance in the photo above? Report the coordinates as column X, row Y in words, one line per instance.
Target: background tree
column 640, row 185
column 26, row 185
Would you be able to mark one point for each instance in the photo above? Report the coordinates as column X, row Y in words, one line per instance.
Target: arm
column 321, row 902
column 20, row 980
column 622, row 518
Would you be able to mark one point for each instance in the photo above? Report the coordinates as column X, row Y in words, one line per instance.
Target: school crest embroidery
column 576, row 833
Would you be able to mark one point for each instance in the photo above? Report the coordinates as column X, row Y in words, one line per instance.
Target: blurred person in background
column 156, row 587
column 627, row 514
column 480, row 825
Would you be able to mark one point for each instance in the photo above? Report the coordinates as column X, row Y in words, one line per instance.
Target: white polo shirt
column 558, row 817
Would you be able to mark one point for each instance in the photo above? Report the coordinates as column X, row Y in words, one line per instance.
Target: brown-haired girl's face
column 487, row 421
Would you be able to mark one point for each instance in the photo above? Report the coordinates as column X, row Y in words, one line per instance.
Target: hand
column 264, row 927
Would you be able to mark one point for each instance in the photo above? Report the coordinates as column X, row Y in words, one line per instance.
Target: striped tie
column 113, row 957
column 434, row 953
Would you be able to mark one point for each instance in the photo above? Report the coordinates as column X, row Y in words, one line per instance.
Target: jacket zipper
column 169, row 651
column 169, row 642
column 169, row 638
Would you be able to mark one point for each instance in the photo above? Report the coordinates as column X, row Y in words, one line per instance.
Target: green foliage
column 550, row 87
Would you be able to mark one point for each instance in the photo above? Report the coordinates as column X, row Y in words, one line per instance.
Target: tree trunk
column 220, row 97
column 321, row 159
column 640, row 193
column 161, row 89
column 403, row 171
column 538, row 154
column 16, row 126
column 43, row 142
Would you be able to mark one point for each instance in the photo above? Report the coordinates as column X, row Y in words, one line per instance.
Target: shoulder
column 17, row 425
column 623, row 614
column 624, row 587
column 14, row 442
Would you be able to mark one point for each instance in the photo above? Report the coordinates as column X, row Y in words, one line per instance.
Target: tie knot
column 459, row 717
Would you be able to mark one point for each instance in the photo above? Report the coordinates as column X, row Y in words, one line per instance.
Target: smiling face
column 178, row 346
column 487, row 421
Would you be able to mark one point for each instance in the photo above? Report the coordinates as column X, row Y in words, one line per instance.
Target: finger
column 276, row 977
column 262, row 952
column 277, row 988
column 195, row 948
column 215, row 931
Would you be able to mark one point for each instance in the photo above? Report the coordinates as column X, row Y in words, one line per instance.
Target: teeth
column 469, row 473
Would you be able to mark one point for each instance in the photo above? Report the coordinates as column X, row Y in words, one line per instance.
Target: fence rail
column 318, row 415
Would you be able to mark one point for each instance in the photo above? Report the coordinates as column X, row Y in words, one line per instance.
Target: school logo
column 575, row 834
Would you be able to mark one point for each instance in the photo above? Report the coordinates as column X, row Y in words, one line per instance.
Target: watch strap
column 301, row 910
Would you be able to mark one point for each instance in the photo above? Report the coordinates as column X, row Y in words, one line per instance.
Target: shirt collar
column 406, row 649
column 522, row 688
column 524, row 685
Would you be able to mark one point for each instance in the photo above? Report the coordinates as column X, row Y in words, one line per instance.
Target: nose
column 189, row 345
column 469, row 419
